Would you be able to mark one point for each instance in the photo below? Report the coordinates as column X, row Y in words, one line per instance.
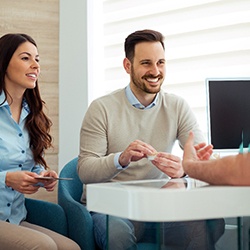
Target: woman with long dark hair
column 24, row 137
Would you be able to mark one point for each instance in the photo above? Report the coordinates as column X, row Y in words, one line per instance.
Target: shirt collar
column 25, row 105
column 2, row 97
column 134, row 101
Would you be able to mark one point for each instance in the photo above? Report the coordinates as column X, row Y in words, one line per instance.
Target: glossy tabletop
column 168, row 200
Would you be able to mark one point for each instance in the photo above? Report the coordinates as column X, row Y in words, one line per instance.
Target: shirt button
column 23, row 151
column 20, row 165
column 8, row 204
column 20, row 134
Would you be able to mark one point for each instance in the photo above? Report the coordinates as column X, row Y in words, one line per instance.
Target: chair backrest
column 73, row 187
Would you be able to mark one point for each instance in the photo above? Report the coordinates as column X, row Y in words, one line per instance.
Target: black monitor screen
column 228, row 106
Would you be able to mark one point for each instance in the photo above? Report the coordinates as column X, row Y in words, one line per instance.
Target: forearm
column 230, row 170
column 93, row 169
column 205, row 171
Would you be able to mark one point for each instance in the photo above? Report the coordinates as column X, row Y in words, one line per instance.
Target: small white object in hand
column 151, row 157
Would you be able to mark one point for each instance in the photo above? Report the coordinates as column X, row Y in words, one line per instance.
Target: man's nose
column 154, row 70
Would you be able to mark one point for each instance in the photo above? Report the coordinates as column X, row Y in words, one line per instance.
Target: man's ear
column 127, row 65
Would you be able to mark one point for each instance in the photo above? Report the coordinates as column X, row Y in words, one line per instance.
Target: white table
column 183, row 199
column 146, row 201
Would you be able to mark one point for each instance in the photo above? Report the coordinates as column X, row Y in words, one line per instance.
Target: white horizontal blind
column 203, row 38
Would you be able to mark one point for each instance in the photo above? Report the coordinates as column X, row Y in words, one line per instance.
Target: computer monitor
column 228, row 113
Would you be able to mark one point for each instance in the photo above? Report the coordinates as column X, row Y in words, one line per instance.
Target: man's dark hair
column 141, row 36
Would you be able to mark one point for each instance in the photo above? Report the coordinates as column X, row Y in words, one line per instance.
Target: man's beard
column 142, row 86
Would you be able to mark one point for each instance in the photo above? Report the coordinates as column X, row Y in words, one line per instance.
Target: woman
column 24, row 136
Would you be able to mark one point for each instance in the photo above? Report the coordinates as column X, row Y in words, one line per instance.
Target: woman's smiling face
column 23, row 69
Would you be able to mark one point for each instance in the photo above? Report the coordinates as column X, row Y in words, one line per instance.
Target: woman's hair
column 138, row 37
column 37, row 123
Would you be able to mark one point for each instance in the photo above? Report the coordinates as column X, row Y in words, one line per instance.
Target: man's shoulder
column 115, row 96
column 171, row 98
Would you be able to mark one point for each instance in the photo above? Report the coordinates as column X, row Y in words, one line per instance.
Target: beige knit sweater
column 111, row 123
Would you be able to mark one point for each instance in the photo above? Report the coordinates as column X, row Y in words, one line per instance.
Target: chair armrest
column 46, row 214
column 80, row 224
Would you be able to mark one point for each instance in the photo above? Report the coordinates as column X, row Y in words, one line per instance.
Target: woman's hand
column 49, row 185
column 26, row 182
column 22, row 181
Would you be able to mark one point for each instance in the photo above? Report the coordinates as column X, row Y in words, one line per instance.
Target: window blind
column 203, row 38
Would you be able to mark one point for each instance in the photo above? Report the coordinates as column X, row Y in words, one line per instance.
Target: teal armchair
column 46, row 214
column 80, row 225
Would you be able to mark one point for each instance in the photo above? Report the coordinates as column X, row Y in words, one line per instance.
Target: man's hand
column 195, row 153
column 169, row 164
column 203, row 151
column 173, row 166
column 135, row 152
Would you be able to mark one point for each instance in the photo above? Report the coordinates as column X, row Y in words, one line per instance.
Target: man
column 229, row 170
column 122, row 129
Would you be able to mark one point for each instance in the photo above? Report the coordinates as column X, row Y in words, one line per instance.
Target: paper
column 52, row 178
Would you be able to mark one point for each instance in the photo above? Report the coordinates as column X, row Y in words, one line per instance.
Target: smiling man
column 122, row 129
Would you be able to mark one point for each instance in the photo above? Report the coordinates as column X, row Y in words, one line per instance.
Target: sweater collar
column 135, row 102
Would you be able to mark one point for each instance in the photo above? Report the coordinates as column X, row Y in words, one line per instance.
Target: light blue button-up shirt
column 135, row 102
column 15, row 155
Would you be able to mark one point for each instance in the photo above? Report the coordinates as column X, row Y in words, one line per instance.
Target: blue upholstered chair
column 80, row 225
column 46, row 214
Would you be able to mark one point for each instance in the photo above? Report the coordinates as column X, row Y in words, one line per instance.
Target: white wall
column 73, row 89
